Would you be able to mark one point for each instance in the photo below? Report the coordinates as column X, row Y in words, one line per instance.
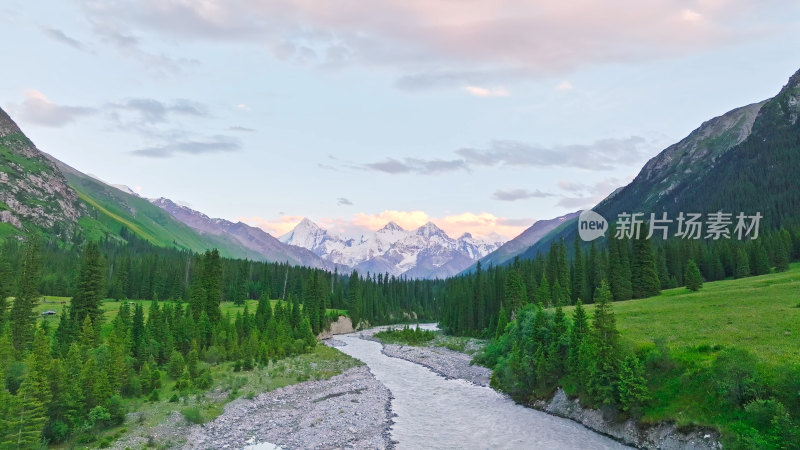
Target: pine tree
column 783, row 245
column 644, row 274
column 514, row 289
column 579, row 333
column 694, row 281
column 633, row 392
column 26, row 419
column 91, row 286
column 742, row 264
column 263, row 311
column 578, row 274
column 39, row 363
column 22, row 316
column 619, row 268
column 212, row 285
column 6, row 287
column 605, row 373
column 543, row 295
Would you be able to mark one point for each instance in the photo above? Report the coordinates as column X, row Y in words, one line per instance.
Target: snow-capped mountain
column 427, row 252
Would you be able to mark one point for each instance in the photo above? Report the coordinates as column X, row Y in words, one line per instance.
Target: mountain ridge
column 424, row 252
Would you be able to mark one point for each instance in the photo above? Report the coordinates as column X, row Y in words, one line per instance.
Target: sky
column 479, row 115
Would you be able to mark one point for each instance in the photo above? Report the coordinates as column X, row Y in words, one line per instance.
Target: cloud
column 116, row 32
column 444, row 43
column 242, row 129
column 564, row 86
column 583, row 195
column 151, row 111
column 37, row 108
column 478, row 91
column 213, row 144
column 61, row 37
column 406, row 219
column 416, row 165
column 603, row 154
column 511, row 195
column 276, row 227
column 341, row 201
column 482, row 225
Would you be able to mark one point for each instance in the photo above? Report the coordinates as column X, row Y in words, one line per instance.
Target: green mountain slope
column 743, row 161
column 39, row 193
column 110, row 209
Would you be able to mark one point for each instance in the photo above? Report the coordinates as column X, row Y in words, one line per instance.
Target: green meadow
column 758, row 314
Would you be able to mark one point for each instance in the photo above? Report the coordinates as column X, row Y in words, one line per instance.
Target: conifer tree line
column 71, row 377
column 140, row 271
column 482, row 303
column 542, row 350
column 71, row 380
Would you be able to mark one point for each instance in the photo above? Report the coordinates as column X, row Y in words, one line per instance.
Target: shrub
column 193, row 415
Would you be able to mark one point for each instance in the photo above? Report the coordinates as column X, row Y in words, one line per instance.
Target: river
column 436, row 413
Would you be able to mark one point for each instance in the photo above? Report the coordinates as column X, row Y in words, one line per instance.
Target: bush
column 407, row 335
column 193, row 415
column 99, row 417
column 203, row 381
column 57, row 431
column 154, row 396
column 116, row 409
column 736, row 377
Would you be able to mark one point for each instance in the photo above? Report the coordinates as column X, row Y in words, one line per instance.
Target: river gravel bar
column 447, row 363
column 350, row 410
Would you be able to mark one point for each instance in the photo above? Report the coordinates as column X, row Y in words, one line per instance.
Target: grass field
column 110, row 308
column 759, row 314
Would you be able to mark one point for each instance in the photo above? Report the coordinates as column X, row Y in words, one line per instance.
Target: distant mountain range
column 745, row 160
column 427, row 252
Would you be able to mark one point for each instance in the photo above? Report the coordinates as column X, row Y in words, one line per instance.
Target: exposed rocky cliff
column 32, row 190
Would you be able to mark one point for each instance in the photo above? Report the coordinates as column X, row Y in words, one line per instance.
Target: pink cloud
column 276, row 227
column 451, row 42
column 480, row 225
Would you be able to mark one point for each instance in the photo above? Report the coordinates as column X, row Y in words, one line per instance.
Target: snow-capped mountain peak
column 306, row 234
column 426, row 252
column 391, row 226
column 430, row 229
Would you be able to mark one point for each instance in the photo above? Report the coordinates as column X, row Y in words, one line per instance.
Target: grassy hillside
column 727, row 356
column 758, row 314
column 112, row 209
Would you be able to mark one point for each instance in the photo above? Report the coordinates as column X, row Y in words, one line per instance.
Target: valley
column 400, row 225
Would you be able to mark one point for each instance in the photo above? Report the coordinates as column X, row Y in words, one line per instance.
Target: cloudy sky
column 480, row 115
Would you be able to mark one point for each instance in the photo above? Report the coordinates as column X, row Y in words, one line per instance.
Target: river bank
column 351, row 410
column 457, row 365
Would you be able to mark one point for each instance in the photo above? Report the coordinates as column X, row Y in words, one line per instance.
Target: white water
column 435, row 413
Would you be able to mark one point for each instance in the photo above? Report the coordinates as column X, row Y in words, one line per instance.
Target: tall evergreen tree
column 91, row 286
column 619, row 269
column 6, row 287
column 742, row 264
column 22, row 316
column 579, row 284
column 694, row 281
column 644, row 274
column 605, row 337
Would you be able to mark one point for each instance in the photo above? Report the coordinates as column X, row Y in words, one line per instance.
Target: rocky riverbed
column 448, row 363
column 350, row 410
